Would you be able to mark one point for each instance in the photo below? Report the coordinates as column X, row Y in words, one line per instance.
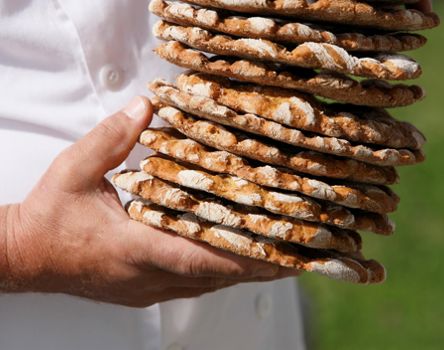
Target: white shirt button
column 111, row 77
column 263, row 305
column 175, row 347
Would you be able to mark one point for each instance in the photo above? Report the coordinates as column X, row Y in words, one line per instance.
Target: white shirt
column 64, row 66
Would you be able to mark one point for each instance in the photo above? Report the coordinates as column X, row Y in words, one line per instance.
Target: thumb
column 110, row 142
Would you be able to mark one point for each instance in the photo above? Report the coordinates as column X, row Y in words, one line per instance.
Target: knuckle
column 236, row 270
column 193, row 267
column 209, row 267
column 113, row 128
column 180, row 267
column 63, row 157
column 62, row 164
column 191, row 264
column 240, row 267
column 194, row 264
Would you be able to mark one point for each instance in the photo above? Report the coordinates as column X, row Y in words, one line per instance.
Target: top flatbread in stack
column 285, row 31
column 279, row 147
column 348, row 12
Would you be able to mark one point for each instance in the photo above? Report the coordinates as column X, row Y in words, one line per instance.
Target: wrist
column 26, row 261
column 6, row 279
column 18, row 270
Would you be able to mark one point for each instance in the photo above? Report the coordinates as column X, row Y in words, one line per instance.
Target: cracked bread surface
column 351, row 12
column 307, row 55
column 209, row 109
column 329, row 263
column 282, row 30
column 214, row 210
column 171, row 143
column 334, row 86
column 301, row 111
column 309, row 162
column 278, row 202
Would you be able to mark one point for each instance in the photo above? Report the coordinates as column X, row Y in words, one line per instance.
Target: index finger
column 183, row 256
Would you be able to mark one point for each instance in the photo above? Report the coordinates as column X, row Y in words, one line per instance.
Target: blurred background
column 407, row 312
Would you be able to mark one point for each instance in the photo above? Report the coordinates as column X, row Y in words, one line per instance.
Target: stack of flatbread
column 258, row 159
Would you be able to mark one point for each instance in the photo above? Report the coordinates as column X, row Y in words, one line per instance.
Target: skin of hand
column 71, row 234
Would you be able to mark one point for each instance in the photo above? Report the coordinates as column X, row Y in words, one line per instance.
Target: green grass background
column 407, row 312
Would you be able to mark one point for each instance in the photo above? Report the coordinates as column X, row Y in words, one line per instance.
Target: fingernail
column 136, row 109
column 268, row 271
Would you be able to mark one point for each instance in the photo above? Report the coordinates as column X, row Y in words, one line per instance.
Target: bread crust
column 220, row 212
column 169, row 142
column 334, row 265
column 308, row 162
column 281, row 31
column 307, row 55
column 351, row 12
column 247, row 193
column 209, row 109
column 338, row 87
column 301, row 111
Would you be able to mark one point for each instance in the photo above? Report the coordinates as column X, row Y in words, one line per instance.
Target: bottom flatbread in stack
column 334, row 265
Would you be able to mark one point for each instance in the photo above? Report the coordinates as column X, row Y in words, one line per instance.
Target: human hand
column 71, row 234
